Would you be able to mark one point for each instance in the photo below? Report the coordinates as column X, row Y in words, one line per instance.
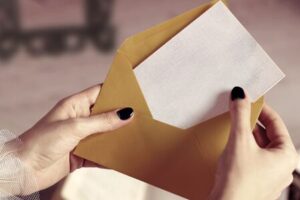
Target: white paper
column 189, row 79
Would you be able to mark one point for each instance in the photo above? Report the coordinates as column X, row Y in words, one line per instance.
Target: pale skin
column 48, row 145
column 255, row 165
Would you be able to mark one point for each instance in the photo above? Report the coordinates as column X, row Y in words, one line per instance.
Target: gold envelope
column 180, row 161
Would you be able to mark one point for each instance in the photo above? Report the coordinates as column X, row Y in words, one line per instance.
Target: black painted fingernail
column 237, row 93
column 125, row 113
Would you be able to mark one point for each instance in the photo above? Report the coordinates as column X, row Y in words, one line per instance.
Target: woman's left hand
column 48, row 145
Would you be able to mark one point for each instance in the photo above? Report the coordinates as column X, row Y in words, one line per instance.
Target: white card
column 189, row 79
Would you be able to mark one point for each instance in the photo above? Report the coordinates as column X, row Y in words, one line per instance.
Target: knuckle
column 64, row 102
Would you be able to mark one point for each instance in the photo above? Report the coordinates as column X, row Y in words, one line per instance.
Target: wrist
column 18, row 175
column 26, row 172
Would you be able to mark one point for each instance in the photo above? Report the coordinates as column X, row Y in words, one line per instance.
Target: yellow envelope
column 180, row 161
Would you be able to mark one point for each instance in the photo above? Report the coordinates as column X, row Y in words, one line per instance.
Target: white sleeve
column 15, row 179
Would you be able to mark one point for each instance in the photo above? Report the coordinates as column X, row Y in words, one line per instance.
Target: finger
column 102, row 123
column 260, row 136
column 240, row 111
column 276, row 129
column 90, row 94
column 79, row 105
column 76, row 162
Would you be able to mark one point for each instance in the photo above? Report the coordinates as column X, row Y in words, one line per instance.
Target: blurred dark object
column 98, row 13
column 54, row 41
column 9, row 28
column 294, row 189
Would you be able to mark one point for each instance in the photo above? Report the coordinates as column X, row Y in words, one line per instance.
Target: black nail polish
column 125, row 113
column 237, row 93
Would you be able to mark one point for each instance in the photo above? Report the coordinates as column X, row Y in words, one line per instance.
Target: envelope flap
column 120, row 89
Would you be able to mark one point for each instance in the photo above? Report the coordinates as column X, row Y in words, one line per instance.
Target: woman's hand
column 254, row 165
column 48, row 145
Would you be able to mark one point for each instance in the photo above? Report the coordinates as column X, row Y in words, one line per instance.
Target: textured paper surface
column 188, row 80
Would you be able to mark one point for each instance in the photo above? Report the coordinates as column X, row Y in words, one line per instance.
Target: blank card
column 189, row 79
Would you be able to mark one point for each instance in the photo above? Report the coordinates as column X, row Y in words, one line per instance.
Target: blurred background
column 50, row 49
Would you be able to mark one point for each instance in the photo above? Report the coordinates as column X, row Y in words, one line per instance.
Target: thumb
column 103, row 122
column 240, row 112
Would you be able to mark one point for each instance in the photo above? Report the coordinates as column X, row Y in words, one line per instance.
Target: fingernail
column 237, row 93
column 125, row 113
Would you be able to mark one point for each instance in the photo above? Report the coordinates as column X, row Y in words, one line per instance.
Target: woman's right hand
column 254, row 165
